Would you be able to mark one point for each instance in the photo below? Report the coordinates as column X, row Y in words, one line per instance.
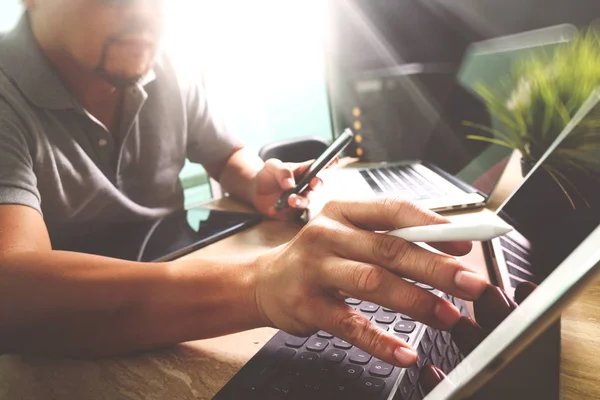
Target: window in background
column 263, row 63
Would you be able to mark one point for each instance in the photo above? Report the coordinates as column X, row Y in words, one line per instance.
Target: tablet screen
column 167, row 238
column 553, row 212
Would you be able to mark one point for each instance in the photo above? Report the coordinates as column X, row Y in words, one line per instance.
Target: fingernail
column 492, row 307
column 429, row 377
column 470, row 283
column 405, row 356
column 298, row 202
column 446, row 313
column 467, row 335
column 523, row 290
column 289, row 182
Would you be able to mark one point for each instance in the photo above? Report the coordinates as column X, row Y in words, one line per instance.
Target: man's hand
column 491, row 308
column 301, row 286
column 275, row 178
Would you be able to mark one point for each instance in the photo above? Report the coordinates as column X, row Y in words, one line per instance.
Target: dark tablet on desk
column 183, row 232
column 163, row 239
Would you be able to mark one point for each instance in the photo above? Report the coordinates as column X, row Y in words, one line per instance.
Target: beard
column 116, row 80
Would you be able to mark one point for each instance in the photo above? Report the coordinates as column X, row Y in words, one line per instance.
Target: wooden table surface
column 197, row 370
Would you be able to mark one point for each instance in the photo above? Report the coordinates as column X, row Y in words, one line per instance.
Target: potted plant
column 539, row 97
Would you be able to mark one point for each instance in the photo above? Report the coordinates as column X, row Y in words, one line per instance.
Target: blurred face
column 115, row 39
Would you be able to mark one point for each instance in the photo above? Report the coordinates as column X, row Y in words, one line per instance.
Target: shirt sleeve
column 209, row 139
column 18, row 182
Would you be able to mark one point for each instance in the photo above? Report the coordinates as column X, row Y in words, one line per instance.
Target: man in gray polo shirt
column 94, row 129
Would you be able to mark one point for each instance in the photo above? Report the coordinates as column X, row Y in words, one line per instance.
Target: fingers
column 453, row 248
column 409, row 260
column 492, row 307
column 302, row 202
column 523, row 291
column 383, row 214
column 375, row 284
column 299, row 168
column 296, row 201
column 315, row 183
column 387, row 214
column 429, row 377
column 347, row 324
column 467, row 335
column 282, row 172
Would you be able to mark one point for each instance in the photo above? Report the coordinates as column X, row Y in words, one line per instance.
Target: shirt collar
column 25, row 63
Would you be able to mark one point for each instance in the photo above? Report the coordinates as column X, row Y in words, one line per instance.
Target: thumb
column 283, row 174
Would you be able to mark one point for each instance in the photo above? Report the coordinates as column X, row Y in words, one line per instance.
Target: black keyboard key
column 446, row 336
column 324, row 335
column 440, row 344
column 353, row 302
column 413, row 374
column 341, row 344
column 285, row 353
column 422, row 359
column 334, row 356
column 341, row 391
column 350, row 372
column 514, row 283
column 436, row 357
column 515, row 248
column 518, row 273
column 367, row 177
column 255, row 382
column 280, row 388
column 406, row 318
column 515, row 260
column 452, row 357
column 416, row 395
column 405, row 327
column 380, row 176
column 383, row 327
column 295, row 341
column 369, row 307
column 381, row 369
column 311, row 388
column 385, row 318
column 371, row 385
column 317, row 344
column 426, row 345
column 358, row 356
column 308, row 357
column 402, row 336
column 446, row 367
column 406, row 388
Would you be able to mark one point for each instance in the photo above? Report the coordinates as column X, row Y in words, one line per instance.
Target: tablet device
column 186, row 231
column 167, row 238
column 553, row 248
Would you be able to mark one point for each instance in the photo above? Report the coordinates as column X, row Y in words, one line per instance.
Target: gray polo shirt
column 58, row 159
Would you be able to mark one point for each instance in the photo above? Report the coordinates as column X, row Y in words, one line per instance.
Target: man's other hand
column 275, row 178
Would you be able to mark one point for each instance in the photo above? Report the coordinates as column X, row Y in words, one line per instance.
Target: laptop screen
column 395, row 77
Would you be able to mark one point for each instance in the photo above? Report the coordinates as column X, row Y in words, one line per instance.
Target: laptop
column 558, row 247
column 460, row 176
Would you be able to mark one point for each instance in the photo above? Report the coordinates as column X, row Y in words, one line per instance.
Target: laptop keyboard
column 324, row 367
column 517, row 261
column 400, row 180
